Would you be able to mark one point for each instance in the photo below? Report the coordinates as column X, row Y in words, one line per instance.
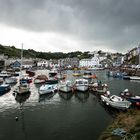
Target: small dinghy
column 116, row 102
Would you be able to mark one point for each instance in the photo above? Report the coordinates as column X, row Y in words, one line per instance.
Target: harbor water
column 58, row 116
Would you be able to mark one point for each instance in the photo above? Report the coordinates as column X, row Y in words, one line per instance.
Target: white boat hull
column 41, row 92
column 81, row 85
column 116, row 104
column 82, row 88
column 10, row 80
column 134, row 78
column 87, row 76
column 65, row 88
column 46, row 89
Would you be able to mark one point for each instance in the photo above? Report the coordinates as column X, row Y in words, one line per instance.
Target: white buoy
column 16, row 118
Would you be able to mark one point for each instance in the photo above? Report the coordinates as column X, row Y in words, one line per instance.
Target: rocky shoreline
column 125, row 126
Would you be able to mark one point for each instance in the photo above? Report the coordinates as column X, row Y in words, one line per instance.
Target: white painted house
column 94, row 62
column 43, row 63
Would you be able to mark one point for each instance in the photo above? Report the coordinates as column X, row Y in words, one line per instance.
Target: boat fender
column 105, row 85
column 138, row 103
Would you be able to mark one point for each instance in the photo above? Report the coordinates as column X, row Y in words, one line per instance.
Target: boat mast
column 60, row 67
column 139, row 54
column 21, row 56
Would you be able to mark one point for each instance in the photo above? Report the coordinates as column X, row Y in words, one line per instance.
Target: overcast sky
column 70, row 25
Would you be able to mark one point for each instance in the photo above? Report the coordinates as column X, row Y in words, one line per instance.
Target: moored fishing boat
column 22, row 89
column 40, row 79
column 53, row 73
column 45, row 89
column 51, row 80
column 134, row 77
column 10, row 80
column 16, row 73
column 95, row 68
column 65, row 86
column 100, row 88
column 110, row 73
column 30, row 72
column 60, row 76
column 1, row 80
column 81, row 85
column 87, row 74
column 25, row 79
column 134, row 99
column 4, row 88
column 127, row 77
column 77, row 73
column 4, row 74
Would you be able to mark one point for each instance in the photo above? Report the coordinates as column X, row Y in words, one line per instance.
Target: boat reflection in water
column 113, row 112
column 45, row 97
column 65, row 96
column 82, row 96
column 21, row 98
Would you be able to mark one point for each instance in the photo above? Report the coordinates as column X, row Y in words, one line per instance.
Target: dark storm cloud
column 112, row 23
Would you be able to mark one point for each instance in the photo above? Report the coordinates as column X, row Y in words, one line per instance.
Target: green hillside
column 13, row 52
